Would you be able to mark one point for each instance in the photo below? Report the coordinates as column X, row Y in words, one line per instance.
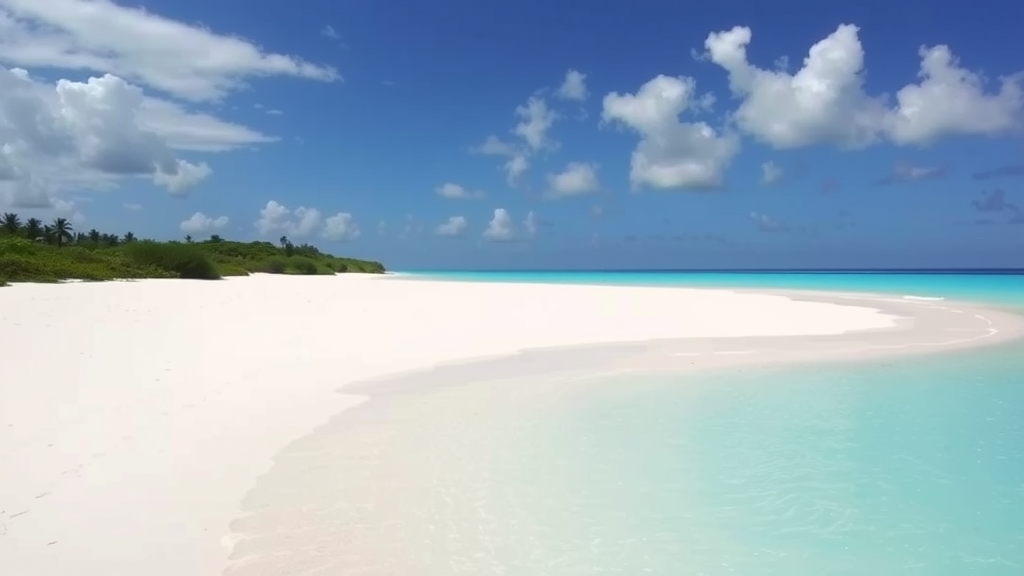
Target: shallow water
column 898, row 466
column 1003, row 288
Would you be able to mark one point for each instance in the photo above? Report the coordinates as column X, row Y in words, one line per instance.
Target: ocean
column 903, row 466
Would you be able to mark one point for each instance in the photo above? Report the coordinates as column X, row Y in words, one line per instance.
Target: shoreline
column 722, row 353
column 522, row 382
column 173, row 397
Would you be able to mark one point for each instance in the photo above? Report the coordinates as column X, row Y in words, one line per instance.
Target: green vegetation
column 31, row 251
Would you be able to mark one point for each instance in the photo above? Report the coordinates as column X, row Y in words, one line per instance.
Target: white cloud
column 195, row 131
column 330, row 32
column 671, row 153
column 188, row 61
column 770, row 173
column 199, row 222
column 501, row 228
column 91, row 134
column 494, row 146
column 530, row 224
column 275, row 218
column 950, row 100
column 825, row 102
column 454, row 226
column 79, row 134
column 574, row 87
column 184, row 178
column 454, row 191
column 341, row 226
column 535, row 121
column 577, row 178
column 515, row 167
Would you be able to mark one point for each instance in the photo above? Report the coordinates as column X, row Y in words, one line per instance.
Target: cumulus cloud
column 67, row 135
column 454, row 191
column 275, row 218
column 515, row 167
column 453, row 227
column 671, row 153
column 530, row 224
column 501, row 227
column 535, row 121
column 184, row 177
column 341, row 226
column 825, row 101
column 576, row 179
column 574, row 87
column 770, row 173
column 100, row 36
column 494, row 146
column 79, row 134
column 199, row 223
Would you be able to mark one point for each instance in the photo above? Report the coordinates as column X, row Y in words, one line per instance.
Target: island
column 31, row 251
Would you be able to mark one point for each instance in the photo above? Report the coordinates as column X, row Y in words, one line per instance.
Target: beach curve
column 171, row 397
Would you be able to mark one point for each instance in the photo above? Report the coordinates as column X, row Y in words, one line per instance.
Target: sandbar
column 136, row 416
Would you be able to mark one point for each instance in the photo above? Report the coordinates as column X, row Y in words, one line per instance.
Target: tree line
column 31, row 250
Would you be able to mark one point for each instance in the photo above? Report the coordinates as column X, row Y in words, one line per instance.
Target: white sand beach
column 135, row 416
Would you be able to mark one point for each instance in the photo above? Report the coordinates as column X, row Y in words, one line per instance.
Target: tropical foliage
column 31, row 251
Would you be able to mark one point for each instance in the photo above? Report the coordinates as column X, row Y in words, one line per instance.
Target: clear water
column 1002, row 288
column 907, row 466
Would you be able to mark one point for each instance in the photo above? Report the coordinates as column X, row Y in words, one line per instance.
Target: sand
column 136, row 416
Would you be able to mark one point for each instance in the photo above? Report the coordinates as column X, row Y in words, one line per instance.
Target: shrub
column 273, row 265
column 25, row 261
column 302, row 265
column 183, row 260
column 231, row 269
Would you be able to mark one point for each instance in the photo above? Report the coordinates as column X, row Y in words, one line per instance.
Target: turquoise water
column 899, row 466
column 908, row 467
column 912, row 466
column 1003, row 289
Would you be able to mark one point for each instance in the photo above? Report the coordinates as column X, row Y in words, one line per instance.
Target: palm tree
column 33, row 228
column 95, row 236
column 129, row 237
column 10, row 223
column 188, row 238
column 283, row 241
column 62, row 231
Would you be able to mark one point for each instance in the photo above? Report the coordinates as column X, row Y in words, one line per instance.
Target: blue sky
column 676, row 147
